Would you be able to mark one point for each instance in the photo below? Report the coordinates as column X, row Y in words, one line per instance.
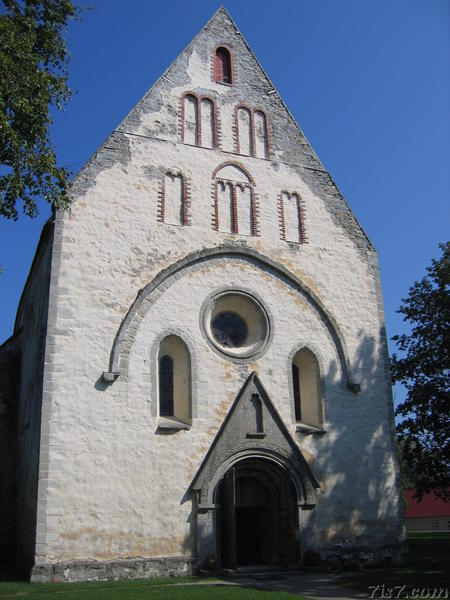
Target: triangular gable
column 252, row 80
column 253, row 427
column 153, row 117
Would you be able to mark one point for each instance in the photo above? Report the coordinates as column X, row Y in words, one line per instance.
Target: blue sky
column 367, row 81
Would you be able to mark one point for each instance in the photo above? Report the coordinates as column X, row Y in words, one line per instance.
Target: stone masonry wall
column 112, row 485
column 31, row 321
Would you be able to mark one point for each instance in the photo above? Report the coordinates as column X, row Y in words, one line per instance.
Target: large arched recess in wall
column 118, row 363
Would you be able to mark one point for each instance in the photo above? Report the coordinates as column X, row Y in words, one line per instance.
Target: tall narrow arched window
column 174, row 379
column 291, row 217
column 244, row 205
column 174, row 199
column 224, row 193
column 166, row 386
column 190, row 120
column 296, row 391
column 306, row 389
column 261, row 141
column 244, row 131
column 222, row 66
column 207, row 123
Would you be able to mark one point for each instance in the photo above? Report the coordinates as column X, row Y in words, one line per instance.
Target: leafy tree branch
column 423, row 369
column 33, row 78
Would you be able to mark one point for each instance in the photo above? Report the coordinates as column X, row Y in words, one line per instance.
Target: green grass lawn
column 155, row 589
column 428, row 569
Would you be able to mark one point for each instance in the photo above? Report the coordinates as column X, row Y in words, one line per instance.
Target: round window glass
column 235, row 324
column 229, row 329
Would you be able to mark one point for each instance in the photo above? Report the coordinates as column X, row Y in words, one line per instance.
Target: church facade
column 199, row 370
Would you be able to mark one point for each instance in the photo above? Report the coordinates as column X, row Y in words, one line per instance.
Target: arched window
column 292, row 226
column 244, row 205
column 306, row 388
column 190, row 120
column 296, row 390
column 174, row 379
column 207, row 123
column 244, row 126
column 235, row 209
column 222, row 66
column 174, row 196
column 166, row 386
column 174, row 203
column 198, row 121
column 261, row 140
column 224, row 195
column 251, row 132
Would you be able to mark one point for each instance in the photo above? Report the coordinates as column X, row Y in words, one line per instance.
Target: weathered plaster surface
column 113, row 486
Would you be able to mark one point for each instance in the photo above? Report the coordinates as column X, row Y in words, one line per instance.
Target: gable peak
column 222, row 11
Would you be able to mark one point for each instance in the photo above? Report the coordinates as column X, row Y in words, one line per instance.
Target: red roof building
column 431, row 514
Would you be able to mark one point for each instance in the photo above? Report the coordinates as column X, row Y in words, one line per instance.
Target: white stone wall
column 116, row 486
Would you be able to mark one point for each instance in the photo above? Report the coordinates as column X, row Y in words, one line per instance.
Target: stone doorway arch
column 256, row 516
column 280, row 475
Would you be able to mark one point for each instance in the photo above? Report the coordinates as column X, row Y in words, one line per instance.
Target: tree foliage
column 33, row 78
column 423, row 368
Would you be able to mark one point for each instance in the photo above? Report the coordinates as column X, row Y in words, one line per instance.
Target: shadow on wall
column 9, row 391
column 355, row 461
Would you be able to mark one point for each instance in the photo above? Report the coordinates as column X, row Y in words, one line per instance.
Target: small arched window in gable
column 174, row 203
column 207, row 123
column 225, row 206
column 190, row 120
column 260, row 125
column 244, row 205
column 291, row 217
column 174, row 377
column 244, row 131
column 174, row 196
column 306, row 389
column 222, row 66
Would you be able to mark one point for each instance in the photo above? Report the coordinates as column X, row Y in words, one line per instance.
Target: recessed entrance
column 253, row 531
column 257, row 516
